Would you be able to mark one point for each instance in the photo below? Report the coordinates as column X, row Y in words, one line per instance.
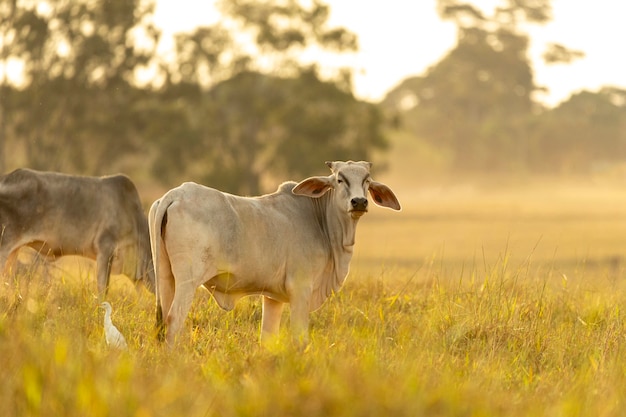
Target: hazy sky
column 400, row 38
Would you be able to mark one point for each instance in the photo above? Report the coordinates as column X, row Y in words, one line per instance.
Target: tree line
column 235, row 107
column 95, row 97
column 477, row 109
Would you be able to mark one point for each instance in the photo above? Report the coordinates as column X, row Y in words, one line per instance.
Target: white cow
column 291, row 246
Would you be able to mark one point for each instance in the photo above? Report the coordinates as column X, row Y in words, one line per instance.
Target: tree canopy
column 234, row 108
column 479, row 107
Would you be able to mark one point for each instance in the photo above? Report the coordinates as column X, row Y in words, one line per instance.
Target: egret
column 113, row 336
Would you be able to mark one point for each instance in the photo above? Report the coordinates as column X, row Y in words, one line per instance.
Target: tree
column 261, row 127
column 583, row 133
column 264, row 37
column 75, row 110
column 476, row 102
column 264, row 113
column 7, row 16
column 281, row 30
column 558, row 54
column 235, row 108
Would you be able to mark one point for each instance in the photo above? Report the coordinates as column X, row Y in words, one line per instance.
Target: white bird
column 112, row 335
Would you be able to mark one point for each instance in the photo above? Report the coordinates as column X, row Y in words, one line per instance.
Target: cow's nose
column 359, row 203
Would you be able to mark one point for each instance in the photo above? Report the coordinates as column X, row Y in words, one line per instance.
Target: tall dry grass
column 471, row 302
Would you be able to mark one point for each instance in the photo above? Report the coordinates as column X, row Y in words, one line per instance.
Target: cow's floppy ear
column 383, row 196
column 313, row 187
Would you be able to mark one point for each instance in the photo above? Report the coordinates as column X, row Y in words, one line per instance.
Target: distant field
column 475, row 300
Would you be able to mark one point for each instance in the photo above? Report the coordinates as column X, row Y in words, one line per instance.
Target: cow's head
column 351, row 182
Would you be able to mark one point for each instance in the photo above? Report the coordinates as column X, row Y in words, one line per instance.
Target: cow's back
column 17, row 196
column 253, row 241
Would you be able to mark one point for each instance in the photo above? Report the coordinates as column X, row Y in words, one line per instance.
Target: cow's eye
column 339, row 181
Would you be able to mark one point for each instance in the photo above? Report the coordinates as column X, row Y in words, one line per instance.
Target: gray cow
column 292, row 246
column 58, row 214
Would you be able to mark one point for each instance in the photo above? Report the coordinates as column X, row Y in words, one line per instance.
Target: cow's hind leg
column 165, row 293
column 181, row 303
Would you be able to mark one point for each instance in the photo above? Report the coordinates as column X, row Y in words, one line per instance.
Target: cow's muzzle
column 359, row 206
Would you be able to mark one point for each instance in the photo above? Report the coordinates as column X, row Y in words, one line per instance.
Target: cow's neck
column 339, row 232
column 337, row 228
column 341, row 229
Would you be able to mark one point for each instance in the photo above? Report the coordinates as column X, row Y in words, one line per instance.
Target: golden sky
column 400, row 38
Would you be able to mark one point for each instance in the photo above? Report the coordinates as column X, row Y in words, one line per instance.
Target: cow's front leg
column 270, row 322
column 300, row 318
column 103, row 271
column 105, row 251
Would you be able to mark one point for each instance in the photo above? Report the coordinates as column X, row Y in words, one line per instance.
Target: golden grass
column 471, row 302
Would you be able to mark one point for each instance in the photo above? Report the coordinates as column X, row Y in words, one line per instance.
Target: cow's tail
column 157, row 218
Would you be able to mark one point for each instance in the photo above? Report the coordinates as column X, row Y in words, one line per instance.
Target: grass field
column 473, row 301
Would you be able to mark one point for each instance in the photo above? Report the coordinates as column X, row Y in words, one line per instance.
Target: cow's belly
column 227, row 288
column 232, row 284
column 52, row 249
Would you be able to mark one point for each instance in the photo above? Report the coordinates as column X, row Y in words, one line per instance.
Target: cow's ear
column 313, row 187
column 383, row 196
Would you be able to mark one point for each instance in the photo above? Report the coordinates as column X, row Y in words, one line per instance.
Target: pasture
column 473, row 301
